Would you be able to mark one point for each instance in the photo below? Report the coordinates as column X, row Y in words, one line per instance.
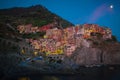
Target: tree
column 114, row 38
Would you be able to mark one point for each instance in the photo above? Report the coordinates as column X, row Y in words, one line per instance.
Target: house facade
column 64, row 41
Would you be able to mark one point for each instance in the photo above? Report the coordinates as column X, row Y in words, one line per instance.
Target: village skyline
column 78, row 12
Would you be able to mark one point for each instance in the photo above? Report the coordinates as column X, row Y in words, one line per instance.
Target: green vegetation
column 34, row 35
column 36, row 15
column 114, row 38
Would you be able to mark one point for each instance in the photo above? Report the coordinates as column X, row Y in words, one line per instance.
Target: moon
column 111, row 6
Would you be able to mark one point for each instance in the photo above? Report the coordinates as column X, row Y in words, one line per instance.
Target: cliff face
column 111, row 53
column 107, row 53
column 86, row 55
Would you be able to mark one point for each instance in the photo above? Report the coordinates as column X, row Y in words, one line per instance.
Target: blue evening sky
column 78, row 11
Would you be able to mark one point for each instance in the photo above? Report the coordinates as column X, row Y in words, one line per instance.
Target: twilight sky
column 78, row 11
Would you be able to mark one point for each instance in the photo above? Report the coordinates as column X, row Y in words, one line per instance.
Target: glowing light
column 111, row 6
column 35, row 53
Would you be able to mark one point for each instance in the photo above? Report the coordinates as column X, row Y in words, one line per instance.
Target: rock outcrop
column 101, row 54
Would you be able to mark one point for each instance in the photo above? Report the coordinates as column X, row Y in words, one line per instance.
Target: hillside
column 36, row 15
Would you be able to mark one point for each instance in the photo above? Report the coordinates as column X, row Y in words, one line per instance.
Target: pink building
column 28, row 28
column 69, row 49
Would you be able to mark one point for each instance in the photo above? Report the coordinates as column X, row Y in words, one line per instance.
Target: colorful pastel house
column 28, row 28
column 46, row 27
column 21, row 28
column 57, row 41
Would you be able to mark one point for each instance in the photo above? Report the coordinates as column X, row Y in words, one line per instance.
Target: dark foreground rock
column 109, row 72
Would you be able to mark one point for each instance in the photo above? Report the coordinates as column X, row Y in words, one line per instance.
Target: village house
column 34, row 29
column 64, row 41
column 27, row 28
column 21, row 28
column 46, row 27
column 54, row 34
column 108, row 34
column 93, row 28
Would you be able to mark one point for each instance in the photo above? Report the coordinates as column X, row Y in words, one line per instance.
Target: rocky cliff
column 102, row 53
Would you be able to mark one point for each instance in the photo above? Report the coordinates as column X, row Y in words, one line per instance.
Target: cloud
column 98, row 12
